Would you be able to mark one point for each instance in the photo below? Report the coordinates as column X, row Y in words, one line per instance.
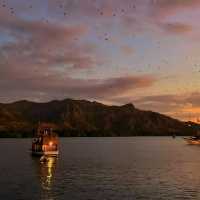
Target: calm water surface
column 102, row 169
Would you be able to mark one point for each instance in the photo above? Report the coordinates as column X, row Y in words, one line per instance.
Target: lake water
column 102, row 169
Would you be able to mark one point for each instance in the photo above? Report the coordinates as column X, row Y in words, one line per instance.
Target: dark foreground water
column 102, row 169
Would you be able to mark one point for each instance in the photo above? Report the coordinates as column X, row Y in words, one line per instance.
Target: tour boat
column 45, row 142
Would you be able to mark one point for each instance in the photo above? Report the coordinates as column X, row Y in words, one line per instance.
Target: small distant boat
column 45, row 142
column 174, row 136
column 193, row 140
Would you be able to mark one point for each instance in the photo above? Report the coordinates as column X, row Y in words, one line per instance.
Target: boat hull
column 45, row 153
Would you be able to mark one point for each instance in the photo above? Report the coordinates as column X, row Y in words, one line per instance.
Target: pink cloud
column 56, row 85
column 177, row 28
column 165, row 8
column 45, row 44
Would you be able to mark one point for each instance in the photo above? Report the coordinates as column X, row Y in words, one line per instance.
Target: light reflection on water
column 46, row 172
column 102, row 168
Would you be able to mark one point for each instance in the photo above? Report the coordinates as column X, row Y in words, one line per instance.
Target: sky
column 144, row 52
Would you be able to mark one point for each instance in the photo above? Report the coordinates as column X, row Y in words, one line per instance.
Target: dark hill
column 84, row 118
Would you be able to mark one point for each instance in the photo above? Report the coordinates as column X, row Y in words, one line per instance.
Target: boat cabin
column 46, row 141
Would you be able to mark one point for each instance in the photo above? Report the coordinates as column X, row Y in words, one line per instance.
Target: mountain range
column 84, row 118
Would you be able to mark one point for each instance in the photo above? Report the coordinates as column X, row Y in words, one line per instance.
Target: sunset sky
column 146, row 52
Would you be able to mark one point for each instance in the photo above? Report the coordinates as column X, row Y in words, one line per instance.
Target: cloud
column 177, row 28
column 37, row 58
column 168, row 15
column 56, row 86
column 39, row 30
column 44, row 44
column 152, row 17
column 164, row 8
column 127, row 14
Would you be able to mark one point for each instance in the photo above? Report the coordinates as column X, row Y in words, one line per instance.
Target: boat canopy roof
column 46, row 129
